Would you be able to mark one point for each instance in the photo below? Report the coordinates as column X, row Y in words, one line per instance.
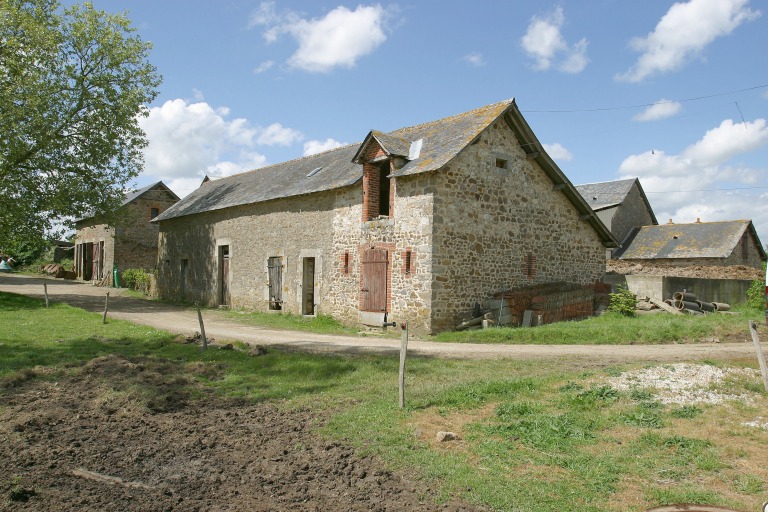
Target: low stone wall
column 730, row 291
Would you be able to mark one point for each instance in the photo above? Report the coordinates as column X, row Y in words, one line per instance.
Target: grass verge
column 533, row 436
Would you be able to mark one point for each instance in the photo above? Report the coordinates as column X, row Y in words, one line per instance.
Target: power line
column 605, row 109
column 702, row 190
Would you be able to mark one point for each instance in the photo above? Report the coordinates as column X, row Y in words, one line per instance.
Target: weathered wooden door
column 308, row 287
column 87, row 261
column 224, row 275
column 95, row 274
column 275, row 271
column 374, row 280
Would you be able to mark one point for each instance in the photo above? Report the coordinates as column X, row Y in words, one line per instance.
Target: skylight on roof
column 313, row 172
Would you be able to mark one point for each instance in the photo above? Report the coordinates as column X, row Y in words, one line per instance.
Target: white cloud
column 475, row 58
column 557, row 152
column 338, row 39
column 312, row 147
column 190, row 140
column 662, row 109
column 278, row 135
column 264, row 66
column 683, row 32
column 544, row 43
column 694, row 183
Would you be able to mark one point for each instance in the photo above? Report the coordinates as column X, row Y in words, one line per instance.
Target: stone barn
column 417, row 224
column 130, row 241
column 621, row 204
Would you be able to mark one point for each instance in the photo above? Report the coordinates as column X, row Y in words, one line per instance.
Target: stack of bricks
column 554, row 302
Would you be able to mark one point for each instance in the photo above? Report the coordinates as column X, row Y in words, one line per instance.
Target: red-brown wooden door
column 374, row 280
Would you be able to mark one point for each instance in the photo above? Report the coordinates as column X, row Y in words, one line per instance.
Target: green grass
column 615, row 329
column 322, row 324
column 535, row 435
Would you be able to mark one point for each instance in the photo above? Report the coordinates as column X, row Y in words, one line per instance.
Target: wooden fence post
column 760, row 356
column 403, row 353
column 202, row 327
column 106, row 307
column 45, row 291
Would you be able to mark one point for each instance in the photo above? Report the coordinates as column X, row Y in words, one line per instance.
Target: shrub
column 623, row 302
column 756, row 293
column 136, row 279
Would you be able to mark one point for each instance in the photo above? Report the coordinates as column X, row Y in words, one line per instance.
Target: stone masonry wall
column 326, row 226
column 500, row 228
column 632, row 213
column 132, row 242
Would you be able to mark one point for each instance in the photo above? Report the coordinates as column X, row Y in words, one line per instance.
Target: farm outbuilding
column 418, row 224
column 128, row 241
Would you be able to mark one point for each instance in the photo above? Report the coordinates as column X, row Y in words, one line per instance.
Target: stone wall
column 132, row 241
column 499, row 228
column 632, row 213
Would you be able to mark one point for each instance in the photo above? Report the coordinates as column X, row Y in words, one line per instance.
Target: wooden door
column 374, row 280
column 224, row 275
column 275, row 271
column 308, row 287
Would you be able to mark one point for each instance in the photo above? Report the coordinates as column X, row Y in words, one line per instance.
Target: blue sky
column 675, row 93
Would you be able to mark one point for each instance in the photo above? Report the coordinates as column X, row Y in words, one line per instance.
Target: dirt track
column 184, row 321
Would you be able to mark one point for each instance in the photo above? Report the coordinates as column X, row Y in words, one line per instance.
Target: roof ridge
column 454, row 116
column 270, row 166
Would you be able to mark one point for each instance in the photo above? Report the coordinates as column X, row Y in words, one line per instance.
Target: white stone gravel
column 685, row 384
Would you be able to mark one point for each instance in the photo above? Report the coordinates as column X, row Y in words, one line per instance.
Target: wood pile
column 56, row 270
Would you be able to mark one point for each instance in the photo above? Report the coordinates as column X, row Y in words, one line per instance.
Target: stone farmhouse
column 130, row 241
column 724, row 243
column 414, row 225
column 622, row 206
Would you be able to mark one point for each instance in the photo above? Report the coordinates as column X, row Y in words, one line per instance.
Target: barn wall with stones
column 498, row 225
column 632, row 213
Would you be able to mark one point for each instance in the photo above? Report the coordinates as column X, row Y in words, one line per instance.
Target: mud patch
column 96, row 439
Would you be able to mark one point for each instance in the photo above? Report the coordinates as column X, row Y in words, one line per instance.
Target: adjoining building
column 621, row 204
column 129, row 241
column 417, row 224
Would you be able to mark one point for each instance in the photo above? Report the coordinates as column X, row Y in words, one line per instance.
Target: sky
column 674, row 93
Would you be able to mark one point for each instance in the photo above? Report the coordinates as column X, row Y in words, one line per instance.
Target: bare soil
column 94, row 440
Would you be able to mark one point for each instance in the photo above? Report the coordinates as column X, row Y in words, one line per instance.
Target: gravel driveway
column 184, row 321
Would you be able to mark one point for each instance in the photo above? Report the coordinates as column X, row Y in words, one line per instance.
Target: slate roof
column 133, row 195
column 441, row 141
column 696, row 240
column 609, row 194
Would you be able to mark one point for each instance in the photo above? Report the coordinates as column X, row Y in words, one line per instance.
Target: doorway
column 275, row 273
column 308, row 287
column 223, row 275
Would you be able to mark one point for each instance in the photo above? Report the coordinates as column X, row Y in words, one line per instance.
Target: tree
column 73, row 85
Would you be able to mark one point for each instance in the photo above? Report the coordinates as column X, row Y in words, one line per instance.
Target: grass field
column 533, row 436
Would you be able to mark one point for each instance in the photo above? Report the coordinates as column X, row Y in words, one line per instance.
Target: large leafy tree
column 73, row 84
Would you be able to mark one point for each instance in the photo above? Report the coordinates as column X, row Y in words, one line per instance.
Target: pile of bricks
column 548, row 303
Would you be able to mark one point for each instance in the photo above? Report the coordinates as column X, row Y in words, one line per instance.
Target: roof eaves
column 535, row 151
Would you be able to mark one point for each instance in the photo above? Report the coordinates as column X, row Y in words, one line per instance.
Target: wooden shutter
column 374, row 280
column 275, row 269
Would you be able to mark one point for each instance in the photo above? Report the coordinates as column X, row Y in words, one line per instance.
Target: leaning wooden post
column 45, row 291
column 202, row 327
column 106, row 307
column 760, row 356
column 403, row 353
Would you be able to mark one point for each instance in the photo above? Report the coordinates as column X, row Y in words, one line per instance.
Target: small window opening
column 501, row 163
column 529, row 266
column 345, row 263
column 384, row 189
column 153, row 212
column 408, row 264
